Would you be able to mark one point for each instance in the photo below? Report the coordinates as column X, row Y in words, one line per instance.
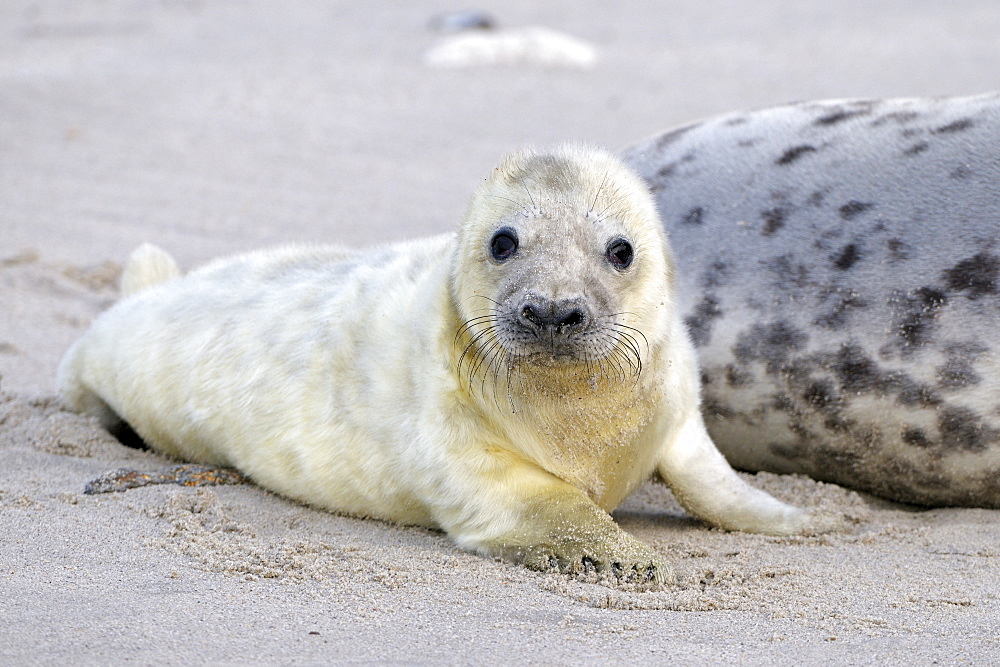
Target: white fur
column 333, row 376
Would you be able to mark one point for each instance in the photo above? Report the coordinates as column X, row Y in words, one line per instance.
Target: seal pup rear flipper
column 148, row 265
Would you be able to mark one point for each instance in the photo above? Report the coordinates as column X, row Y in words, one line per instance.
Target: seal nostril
column 528, row 313
column 550, row 315
column 573, row 319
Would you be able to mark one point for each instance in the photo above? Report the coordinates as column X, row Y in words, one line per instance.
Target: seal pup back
column 509, row 384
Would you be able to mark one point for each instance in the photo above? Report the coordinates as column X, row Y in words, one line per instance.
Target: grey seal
column 838, row 268
column 509, row 384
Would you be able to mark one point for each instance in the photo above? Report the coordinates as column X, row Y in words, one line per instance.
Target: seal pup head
column 561, row 267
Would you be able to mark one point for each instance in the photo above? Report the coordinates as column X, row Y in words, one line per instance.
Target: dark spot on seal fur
column 898, row 117
column 857, row 372
column 774, row 219
column 667, row 170
column 960, row 173
column 916, row 148
column 853, row 209
column 839, row 116
column 915, row 319
column 694, row 216
column 700, row 322
column 671, row 168
column 898, row 249
column 794, row 153
column 738, row 376
column 847, row 301
column 911, row 392
column 957, row 126
column 772, row 343
column 847, row 257
column 673, row 136
column 957, row 373
column 713, row 408
column 961, row 428
column 977, row 274
column 715, row 275
column 916, row 437
column 789, row 273
column 821, row 394
column 786, row 451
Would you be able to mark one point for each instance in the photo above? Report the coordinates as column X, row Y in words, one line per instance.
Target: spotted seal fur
column 838, row 272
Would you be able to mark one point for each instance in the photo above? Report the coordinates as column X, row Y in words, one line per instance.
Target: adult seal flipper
column 838, row 267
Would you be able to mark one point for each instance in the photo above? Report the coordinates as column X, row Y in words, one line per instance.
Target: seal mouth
column 503, row 345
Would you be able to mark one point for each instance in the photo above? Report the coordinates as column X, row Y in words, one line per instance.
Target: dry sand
column 212, row 127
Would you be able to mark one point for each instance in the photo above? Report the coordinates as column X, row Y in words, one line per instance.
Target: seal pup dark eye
column 503, row 244
column 620, row 254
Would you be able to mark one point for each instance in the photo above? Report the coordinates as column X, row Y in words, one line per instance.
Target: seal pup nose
column 563, row 315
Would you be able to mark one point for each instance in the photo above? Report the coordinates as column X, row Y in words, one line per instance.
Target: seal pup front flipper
column 561, row 529
column 500, row 505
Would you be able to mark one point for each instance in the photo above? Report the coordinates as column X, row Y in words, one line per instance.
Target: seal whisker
column 478, row 351
column 598, row 361
column 504, row 362
column 620, row 359
column 627, row 349
column 625, row 326
column 494, row 367
column 630, row 341
column 475, row 359
column 472, row 344
column 483, row 296
column 486, row 358
column 614, row 361
column 525, row 211
column 510, row 397
column 601, row 216
column 498, row 357
column 598, row 194
column 589, row 360
column 530, row 198
column 470, row 324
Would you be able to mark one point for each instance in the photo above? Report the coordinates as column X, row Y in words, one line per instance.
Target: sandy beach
column 215, row 127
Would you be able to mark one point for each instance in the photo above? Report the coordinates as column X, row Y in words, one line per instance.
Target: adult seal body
column 510, row 383
column 838, row 267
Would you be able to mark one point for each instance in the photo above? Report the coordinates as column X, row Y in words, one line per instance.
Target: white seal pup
column 838, row 267
column 509, row 384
